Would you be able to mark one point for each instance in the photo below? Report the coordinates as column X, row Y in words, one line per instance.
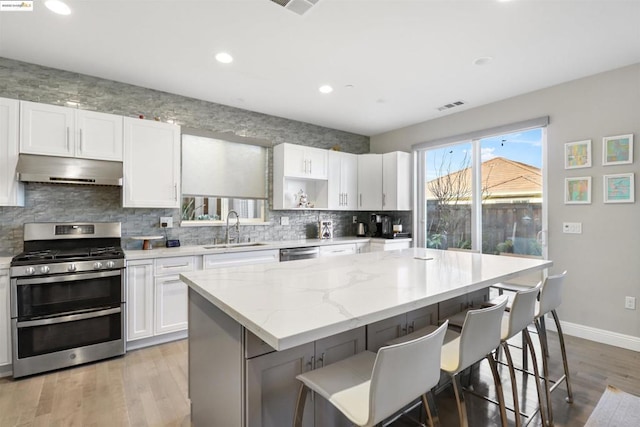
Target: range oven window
column 35, row 338
column 37, row 297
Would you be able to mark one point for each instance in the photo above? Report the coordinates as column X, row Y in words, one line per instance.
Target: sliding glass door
column 484, row 194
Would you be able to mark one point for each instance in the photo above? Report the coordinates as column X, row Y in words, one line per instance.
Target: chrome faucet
column 237, row 227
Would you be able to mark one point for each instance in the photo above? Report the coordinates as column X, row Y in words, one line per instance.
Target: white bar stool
column 368, row 387
column 550, row 299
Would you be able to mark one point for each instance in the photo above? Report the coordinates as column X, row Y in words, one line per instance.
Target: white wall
column 603, row 262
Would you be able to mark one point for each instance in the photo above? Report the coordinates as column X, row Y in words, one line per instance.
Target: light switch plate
column 572, row 227
column 166, row 222
column 284, row 220
column 630, row 303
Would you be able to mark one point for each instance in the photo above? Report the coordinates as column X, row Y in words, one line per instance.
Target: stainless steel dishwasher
column 293, row 254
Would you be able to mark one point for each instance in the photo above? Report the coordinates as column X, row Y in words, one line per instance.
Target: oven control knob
column 72, row 267
column 30, row 270
column 44, row 269
column 111, row 264
column 97, row 266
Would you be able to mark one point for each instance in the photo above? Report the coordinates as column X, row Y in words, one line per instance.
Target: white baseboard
column 628, row 342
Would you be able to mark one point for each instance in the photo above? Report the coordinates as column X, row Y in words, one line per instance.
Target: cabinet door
column 295, row 161
column 349, row 181
column 379, row 333
column 235, row 259
column 171, row 305
column 151, row 164
column 47, row 129
column 363, row 247
column 99, row 136
column 272, row 387
column 396, row 181
column 336, row 199
column 317, row 161
column 422, row 317
column 11, row 191
column 330, row 350
column 5, row 324
column 140, row 299
column 370, row 182
column 337, row 250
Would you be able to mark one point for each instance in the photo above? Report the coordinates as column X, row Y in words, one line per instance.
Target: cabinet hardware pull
column 346, row 199
column 80, row 140
column 175, row 192
column 384, row 199
column 164, row 282
column 176, row 266
column 67, row 138
column 310, row 171
column 412, row 327
column 321, row 360
column 360, row 199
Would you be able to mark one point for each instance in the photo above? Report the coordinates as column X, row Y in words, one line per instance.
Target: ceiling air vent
column 298, row 6
column 451, row 105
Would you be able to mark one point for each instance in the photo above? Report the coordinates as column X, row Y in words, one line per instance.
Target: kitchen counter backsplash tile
column 51, row 202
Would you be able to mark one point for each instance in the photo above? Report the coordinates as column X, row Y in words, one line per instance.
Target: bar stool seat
column 368, row 387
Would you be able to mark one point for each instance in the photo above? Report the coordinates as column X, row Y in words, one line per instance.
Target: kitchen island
column 253, row 328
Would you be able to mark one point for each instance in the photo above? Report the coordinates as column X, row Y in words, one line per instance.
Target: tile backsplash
column 57, row 202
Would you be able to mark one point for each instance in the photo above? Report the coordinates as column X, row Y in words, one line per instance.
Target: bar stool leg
column 536, row 373
column 545, row 370
column 514, row 388
column 462, row 407
column 569, row 397
column 499, row 392
column 302, row 399
column 431, row 409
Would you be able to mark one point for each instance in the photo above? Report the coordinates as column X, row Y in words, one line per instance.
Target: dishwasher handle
column 299, row 253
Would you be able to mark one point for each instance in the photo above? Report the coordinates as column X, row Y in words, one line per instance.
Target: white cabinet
column 298, row 168
column 343, row 181
column 396, row 181
column 379, row 245
column 363, row 247
column 303, row 162
column 272, row 388
column 5, row 321
column 337, row 250
column 151, row 164
column 379, row 333
column 140, row 299
column 234, row 259
column 370, row 182
column 11, row 191
column 67, row 132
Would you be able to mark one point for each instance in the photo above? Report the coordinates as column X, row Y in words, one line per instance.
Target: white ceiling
column 404, row 58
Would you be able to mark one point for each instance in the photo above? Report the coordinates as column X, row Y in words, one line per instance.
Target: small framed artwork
column 619, row 188
column 617, row 150
column 577, row 190
column 577, row 154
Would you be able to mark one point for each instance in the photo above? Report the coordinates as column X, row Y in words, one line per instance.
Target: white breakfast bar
column 252, row 329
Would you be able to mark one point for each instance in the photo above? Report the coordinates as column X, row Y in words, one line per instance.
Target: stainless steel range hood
column 67, row 170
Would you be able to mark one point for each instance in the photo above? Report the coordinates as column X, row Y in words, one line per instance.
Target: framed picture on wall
column 577, row 154
column 577, row 190
column 619, row 188
column 617, row 150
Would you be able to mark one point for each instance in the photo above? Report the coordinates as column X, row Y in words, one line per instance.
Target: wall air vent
column 451, row 105
column 298, row 6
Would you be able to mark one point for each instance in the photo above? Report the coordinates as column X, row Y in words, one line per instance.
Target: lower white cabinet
column 170, row 305
column 236, row 259
column 5, row 322
column 389, row 245
column 379, row 333
column 140, row 299
column 272, row 388
column 337, row 250
column 363, row 247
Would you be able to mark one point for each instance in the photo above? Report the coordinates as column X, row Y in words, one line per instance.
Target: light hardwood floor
column 148, row 387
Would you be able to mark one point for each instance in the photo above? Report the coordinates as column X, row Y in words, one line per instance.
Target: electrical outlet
column 630, row 303
column 284, row 220
column 355, row 219
column 572, row 227
column 166, row 222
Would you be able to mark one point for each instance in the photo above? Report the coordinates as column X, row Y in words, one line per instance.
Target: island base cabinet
column 379, row 333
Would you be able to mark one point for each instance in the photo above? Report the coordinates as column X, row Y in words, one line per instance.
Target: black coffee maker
column 382, row 226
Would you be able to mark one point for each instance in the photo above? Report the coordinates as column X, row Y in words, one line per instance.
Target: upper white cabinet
column 299, row 169
column 343, row 181
column 304, row 162
column 370, row 182
column 67, row 132
column 396, row 181
column 151, row 164
column 11, row 191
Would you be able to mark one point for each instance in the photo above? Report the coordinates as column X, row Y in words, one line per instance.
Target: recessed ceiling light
column 56, row 6
column 325, row 89
column 483, row 60
column 224, row 57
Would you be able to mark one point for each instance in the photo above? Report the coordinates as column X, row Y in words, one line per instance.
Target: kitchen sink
column 235, row 245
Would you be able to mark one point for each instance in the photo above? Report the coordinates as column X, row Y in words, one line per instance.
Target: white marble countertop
column 162, row 252
column 292, row 303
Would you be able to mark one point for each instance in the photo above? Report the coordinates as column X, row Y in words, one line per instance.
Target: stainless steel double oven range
column 67, row 296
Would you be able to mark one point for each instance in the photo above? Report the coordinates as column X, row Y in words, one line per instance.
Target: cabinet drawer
column 337, row 250
column 174, row 265
column 235, row 259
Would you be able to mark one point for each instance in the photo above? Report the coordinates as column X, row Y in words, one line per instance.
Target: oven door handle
column 69, row 318
column 67, row 278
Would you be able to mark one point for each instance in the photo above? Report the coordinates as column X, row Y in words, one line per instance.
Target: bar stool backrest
column 480, row 333
column 551, row 294
column 404, row 372
column 523, row 309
